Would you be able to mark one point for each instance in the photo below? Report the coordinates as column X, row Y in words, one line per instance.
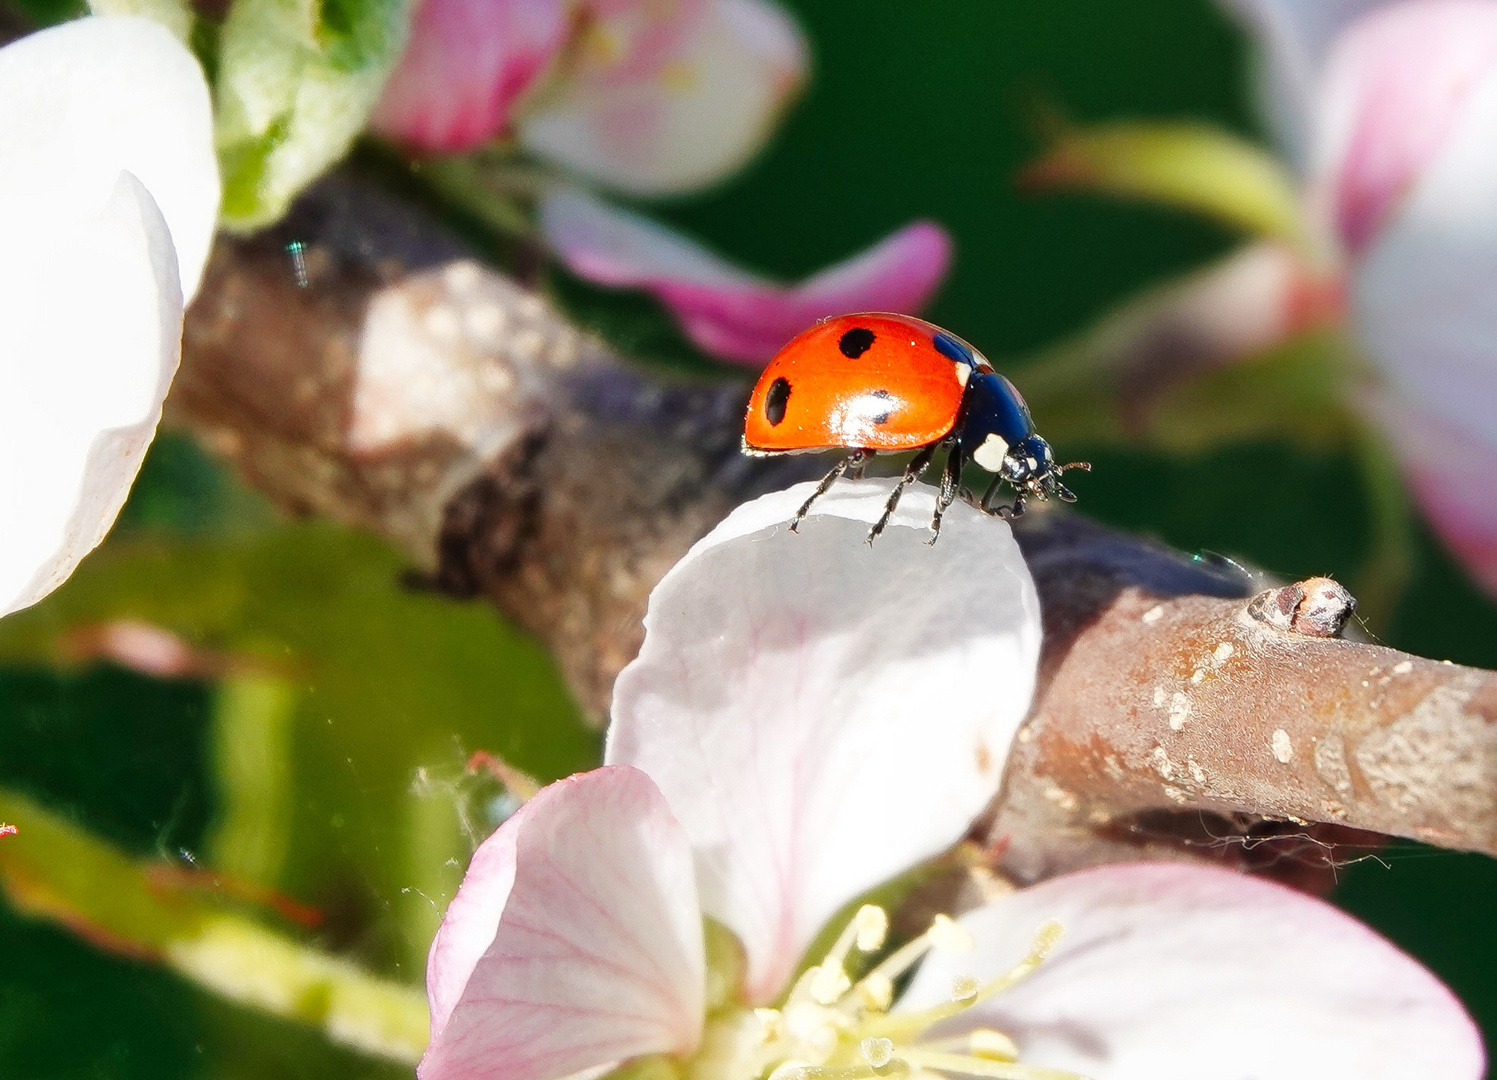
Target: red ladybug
column 879, row 382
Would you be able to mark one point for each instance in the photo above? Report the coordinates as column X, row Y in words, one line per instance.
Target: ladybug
column 879, row 382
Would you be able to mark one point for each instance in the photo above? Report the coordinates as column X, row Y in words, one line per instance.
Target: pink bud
column 465, row 67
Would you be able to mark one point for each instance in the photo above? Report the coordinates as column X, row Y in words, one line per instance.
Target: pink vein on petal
column 1405, row 71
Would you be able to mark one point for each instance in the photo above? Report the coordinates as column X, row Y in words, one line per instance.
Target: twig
column 392, row 382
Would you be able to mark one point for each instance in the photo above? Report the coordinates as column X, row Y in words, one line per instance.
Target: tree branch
column 360, row 364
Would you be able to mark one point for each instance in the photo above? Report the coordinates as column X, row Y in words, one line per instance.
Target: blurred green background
column 364, row 697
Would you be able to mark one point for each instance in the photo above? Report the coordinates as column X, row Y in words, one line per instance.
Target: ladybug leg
column 951, row 480
column 855, row 460
column 917, row 465
column 987, row 496
column 1016, row 511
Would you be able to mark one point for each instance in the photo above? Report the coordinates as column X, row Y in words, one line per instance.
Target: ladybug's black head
column 1030, row 467
column 1029, row 461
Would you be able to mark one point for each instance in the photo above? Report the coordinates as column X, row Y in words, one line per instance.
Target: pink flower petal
column 1294, row 37
column 670, row 97
column 575, row 940
column 1422, row 295
column 1454, row 477
column 823, row 715
column 727, row 311
column 1395, row 85
column 1170, row 972
column 466, row 65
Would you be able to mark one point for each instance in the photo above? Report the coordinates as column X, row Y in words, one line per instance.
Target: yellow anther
column 813, row 1028
column 949, row 936
column 829, row 983
column 877, row 1052
column 992, row 1045
column 770, row 1024
column 964, row 988
column 873, row 926
column 876, row 992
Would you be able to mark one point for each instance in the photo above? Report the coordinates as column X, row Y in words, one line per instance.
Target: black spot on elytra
column 856, row 342
column 775, row 402
column 883, row 417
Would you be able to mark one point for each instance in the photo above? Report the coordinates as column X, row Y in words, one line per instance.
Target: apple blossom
column 108, row 196
column 647, row 98
column 1390, row 109
column 810, row 717
column 726, row 311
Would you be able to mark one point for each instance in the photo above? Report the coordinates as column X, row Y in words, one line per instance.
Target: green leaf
column 1194, row 167
column 344, row 732
column 296, row 81
column 56, row 871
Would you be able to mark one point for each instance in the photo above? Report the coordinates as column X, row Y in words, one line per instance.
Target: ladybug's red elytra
column 878, row 382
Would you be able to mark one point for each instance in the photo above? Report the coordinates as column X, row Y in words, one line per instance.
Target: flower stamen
column 831, row 1028
column 944, row 934
column 963, row 1065
column 905, row 1027
column 828, row 981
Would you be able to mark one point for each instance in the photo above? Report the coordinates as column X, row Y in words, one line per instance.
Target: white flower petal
column 84, row 101
column 1423, row 297
column 575, row 940
column 1293, row 38
column 1394, row 87
column 1451, row 474
column 1173, row 972
column 668, row 98
column 90, row 326
column 821, row 714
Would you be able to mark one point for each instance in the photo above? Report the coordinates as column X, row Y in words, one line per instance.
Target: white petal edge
column 821, row 714
column 90, row 328
column 1174, row 972
column 575, row 940
column 1422, row 298
column 688, row 122
column 86, row 100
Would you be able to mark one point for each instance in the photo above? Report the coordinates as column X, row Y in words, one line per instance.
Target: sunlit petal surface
column 726, row 311
column 575, row 940
column 1172, row 972
column 821, row 714
column 667, row 97
column 107, row 174
column 465, row 66
column 90, row 321
column 82, row 102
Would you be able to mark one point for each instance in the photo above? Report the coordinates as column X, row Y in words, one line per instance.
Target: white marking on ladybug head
column 991, row 453
column 963, row 373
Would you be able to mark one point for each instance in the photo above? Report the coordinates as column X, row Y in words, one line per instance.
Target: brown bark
column 359, row 364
